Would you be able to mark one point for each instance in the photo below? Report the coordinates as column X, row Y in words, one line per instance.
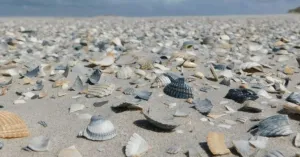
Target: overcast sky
column 143, row 7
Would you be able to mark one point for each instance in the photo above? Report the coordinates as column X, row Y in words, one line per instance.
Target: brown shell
column 216, row 143
column 12, row 126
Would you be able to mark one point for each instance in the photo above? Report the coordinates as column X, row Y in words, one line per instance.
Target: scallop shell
column 38, row 85
column 251, row 67
column 69, row 152
column 136, row 146
column 145, row 64
column 203, row 106
column 160, row 81
column 241, row 95
column 95, row 77
column 162, row 123
column 33, row 73
column 179, row 89
column 39, row 144
column 129, row 91
column 242, row 147
column 277, row 125
column 251, row 106
column 100, row 90
column 125, row 73
column 77, row 85
column 99, row 129
column 12, row 126
column 216, row 143
column 294, row 98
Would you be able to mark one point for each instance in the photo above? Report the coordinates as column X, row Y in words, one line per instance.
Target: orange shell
column 216, row 143
column 12, row 126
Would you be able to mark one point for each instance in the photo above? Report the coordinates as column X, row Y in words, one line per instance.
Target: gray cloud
column 143, row 7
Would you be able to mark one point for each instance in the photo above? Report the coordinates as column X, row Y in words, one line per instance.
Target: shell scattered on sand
column 39, row 144
column 136, row 146
column 160, row 81
column 179, row 89
column 167, row 124
column 216, row 143
column 100, row 90
column 125, row 73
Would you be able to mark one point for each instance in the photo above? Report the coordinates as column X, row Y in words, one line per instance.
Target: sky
column 143, row 7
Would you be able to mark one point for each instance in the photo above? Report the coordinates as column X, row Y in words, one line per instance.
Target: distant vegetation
column 296, row 10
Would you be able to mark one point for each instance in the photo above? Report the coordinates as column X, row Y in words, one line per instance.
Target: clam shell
column 39, row 144
column 251, row 67
column 179, row 89
column 99, row 129
column 33, row 73
column 275, row 153
column 12, row 126
column 129, row 91
column 160, row 81
column 95, row 77
column 242, row 147
column 251, row 106
column 125, row 73
column 173, row 149
column 162, row 123
column 241, row 95
column 216, row 143
column 136, row 146
column 5, row 83
column 259, row 142
column 294, row 98
column 38, row 86
column 203, row 106
column 77, row 85
column 69, row 152
column 189, row 64
column 145, row 95
column 100, row 90
column 277, row 125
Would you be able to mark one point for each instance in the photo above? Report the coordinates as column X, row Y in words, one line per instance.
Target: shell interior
column 39, row 144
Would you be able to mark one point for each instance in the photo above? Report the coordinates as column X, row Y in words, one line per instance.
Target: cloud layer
column 143, row 7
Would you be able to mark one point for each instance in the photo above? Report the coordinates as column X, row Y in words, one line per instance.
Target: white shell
column 161, row 67
column 136, row 146
column 76, row 107
column 39, row 144
column 250, row 66
column 125, row 73
column 106, row 61
column 117, row 41
column 69, row 152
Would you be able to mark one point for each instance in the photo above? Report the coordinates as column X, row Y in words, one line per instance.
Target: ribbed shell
column 179, row 89
column 12, row 126
column 136, row 146
column 162, row 124
column 161, row 81
column 125, row 73
column 101, row 90
column 99, row 129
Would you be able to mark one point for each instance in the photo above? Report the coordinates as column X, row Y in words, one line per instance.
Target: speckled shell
column 162, row 124
column 277, row 125
column 160, row 81
column 101, row 90
column 179, row 89
column 99, row 129
column 125, row 73
column 12, row 126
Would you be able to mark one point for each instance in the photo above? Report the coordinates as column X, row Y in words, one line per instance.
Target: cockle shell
column 95, row 77
column 216, row 143
column 277, row 125
column 99, row 129
column 160, row 81
column 100, row 90
column 136, row 146
column 162, row 123
column 179, row 89
column 12, row 126
column 69, row 152
column 251, row 67
column 39, row 144
column 125, row 73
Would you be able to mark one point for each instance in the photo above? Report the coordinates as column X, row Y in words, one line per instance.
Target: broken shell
column 136, row 146
column 294, row 98
column 38, row 86
column 162, row 123
column 99, row 129
column 39, row 144
column 76, row 107
column 251, row 106
column 125, row 73
column 160, row 81
column 33, row 73
column 77, row 85
column 145, row 95
column 189, row 64
column 106, row 61
column 203, row 106
column 129, row 91
column 288, row 70
column 173, row 149
column 117, row 42
column 180, row 113
column 6, row 83
column 179, row 89
column 100, row 90
column 216, row 143
column 69, row 152
column 251, row 67
column 293, row 108
column 277, row 125
column 213, row 71
column 264, row 93
column 140, row 72
column 242, row 147
column 95, row 77
column 275, row 153
column 12, row 126
column 259, row 142
column 241, row 95
column 145, row 64
column 161, row 67
column 199, row 75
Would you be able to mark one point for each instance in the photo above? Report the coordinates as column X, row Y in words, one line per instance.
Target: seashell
column 33, row 73
column 181, row 113
column 9, row 72
column 69, row 152
column 293, row 108
column 226, row 82
column 145, row 95
column 117, row 42
column 12, row 126
column 6, row 83
column 251, row 106
column 100, row 90
column 42, row 95
column 173, row 149
column 212, row 70
column 241, row 95
column 99, row 129
column 251, row 67
column 150, row 76
column 105, row 62
column 193, row 152
column 76, row 107
column 275, row 153
column 259, row 142
column 187, row 45
column 294, row 98
column 145, row 64
column 59, row 83
column 99, row 104
column 95, row 77
column 189, row 64
column 42, row 123
column 19, row 101
column 277, row 125
column 288, row 70
column 172, row 76
column 226, row 74
column 66, row 71
column 199, row 75
column 129, row 91
column 242, row 147
column 179, row 89
column 136, row 146
column 140, row 72
column 160, row 81
column 297, row 140
column 203, row 106
column 163, row 123
column 77, row 85
column 38, row 85
column 125, row 73
column 39, row 144
column 161, row 67
column 242, row 119
column 216, row 143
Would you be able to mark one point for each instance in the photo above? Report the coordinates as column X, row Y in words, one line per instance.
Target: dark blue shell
column 241, row 95
column 179, row 89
